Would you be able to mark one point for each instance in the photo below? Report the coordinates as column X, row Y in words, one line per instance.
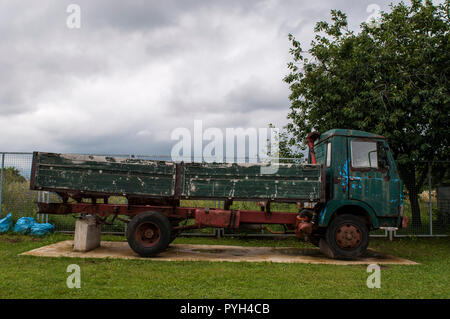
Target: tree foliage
column 391, row 79
column 12, row 175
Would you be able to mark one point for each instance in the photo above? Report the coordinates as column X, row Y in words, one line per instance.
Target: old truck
column 349, row 187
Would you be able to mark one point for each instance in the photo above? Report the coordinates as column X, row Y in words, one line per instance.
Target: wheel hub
column 348, row 236
column 147, row 234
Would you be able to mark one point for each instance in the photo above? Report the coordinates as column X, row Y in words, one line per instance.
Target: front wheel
column 347, row 237
column 149, row 233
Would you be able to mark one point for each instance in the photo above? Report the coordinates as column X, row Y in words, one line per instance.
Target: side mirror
column 384, row 164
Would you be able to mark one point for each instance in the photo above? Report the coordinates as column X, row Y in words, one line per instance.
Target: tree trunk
column 409, row 178
column 415, row 208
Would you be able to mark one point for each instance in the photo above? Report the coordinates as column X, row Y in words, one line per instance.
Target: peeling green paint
column 99, row 174
column 376, row 191
column 217, row 180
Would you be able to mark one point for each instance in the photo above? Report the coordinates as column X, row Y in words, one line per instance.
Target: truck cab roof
column 346, row 132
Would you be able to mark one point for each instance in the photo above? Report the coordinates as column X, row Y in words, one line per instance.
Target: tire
column 316, row 236
column 347, row 237
column 149, row 233
column 173, row 236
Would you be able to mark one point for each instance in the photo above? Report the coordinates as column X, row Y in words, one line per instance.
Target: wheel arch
column 336, row 208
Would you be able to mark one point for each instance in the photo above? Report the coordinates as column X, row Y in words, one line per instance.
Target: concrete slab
column 185, row 252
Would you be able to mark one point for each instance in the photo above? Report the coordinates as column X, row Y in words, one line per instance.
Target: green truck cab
column 362, row 181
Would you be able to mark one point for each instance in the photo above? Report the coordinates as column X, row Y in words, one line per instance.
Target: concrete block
column 87, row 234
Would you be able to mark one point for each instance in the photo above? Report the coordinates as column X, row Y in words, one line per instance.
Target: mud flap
column 325, row 249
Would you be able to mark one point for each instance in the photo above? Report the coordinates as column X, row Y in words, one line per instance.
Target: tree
column 391, row 79
column 12, row 175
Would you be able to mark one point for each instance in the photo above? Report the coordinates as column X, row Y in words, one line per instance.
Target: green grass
column 43, row 277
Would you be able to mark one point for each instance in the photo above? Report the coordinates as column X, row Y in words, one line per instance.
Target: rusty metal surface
column 373, row 192
column 303, row 226
column 345, row 133
column 290, row 182
column 147, row 234
column 97, row 175
column 205, row 217
column 310, row 139
column 87, row 176
column 377, row 191
column 348, row 236
column 217, row 218
column 379, row 187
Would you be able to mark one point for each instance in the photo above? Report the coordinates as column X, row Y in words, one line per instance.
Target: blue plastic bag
column 27, row 225
column 41, row 229
column 6, row 223
column 24, row 224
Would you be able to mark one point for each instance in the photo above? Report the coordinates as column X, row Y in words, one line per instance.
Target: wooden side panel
column 245, row 181
column 97, row 175
column 102, row 174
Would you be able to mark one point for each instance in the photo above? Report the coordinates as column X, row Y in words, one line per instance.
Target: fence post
column 1, row 182
column 430, row 204
column 47, row 201
column 221, row 231
column 38, row 216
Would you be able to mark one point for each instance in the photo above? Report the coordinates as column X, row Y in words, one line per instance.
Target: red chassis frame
column 204, row 217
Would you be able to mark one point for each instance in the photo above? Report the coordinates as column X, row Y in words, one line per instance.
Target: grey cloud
column 146, row 66
column 146, row 15
column 256, row 94
column 121, row 144
column 133, row 15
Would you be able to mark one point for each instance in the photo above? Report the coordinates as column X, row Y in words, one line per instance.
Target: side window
column 369, row 155
column 328, row 161
column 364, row 154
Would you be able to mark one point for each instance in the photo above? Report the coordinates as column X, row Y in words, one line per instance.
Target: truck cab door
column 371, row 175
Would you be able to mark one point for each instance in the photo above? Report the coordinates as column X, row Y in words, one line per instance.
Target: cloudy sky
column 136, row 70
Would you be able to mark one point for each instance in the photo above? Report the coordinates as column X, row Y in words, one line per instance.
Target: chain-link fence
column 431, row 210
column 428, row 212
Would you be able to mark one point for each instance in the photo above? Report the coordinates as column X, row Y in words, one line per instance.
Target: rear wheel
column 149, row 233
column 347, row 237
column 173, row 236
